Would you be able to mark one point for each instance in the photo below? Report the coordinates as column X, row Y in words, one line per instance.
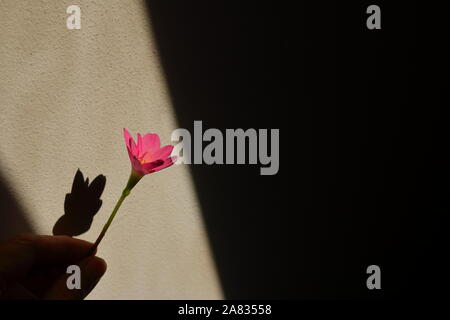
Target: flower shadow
column 80, row 205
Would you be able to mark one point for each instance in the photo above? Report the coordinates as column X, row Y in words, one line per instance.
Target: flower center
column 143, row 160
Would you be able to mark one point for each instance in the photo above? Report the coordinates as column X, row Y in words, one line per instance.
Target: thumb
column 91, row 270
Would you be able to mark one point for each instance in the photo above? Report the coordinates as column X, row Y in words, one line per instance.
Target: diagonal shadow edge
column 13, row 217
column 240, row 237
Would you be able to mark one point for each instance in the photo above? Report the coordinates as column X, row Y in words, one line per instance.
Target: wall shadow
column 358, row 150
column 13, row 218
column 222, row 64
column 80, row 205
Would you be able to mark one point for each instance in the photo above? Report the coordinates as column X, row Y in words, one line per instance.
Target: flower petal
column 150, row 166
column 139, row 145
column 151, row 142
column 167, row 163
column 131, row 145
column 128, row 138
column 162, row 153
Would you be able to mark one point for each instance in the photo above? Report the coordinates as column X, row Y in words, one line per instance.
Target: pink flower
column 147, row 156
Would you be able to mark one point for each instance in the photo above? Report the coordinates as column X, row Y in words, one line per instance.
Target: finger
column 60, row 249
column 91, row 269
column 26, row 251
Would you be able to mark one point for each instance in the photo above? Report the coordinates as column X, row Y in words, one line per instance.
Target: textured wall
column 65, row 96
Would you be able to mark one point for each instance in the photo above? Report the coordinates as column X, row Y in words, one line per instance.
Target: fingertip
column 97, row 266
column 95, row 269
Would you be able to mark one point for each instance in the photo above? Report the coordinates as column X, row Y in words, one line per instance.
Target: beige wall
column 65, row 96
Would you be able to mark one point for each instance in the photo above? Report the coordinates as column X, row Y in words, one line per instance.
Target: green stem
column 132, row 181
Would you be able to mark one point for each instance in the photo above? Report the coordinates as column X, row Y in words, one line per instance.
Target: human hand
column 34, row 267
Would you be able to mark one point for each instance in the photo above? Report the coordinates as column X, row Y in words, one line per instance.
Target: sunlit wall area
column 65, row 96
